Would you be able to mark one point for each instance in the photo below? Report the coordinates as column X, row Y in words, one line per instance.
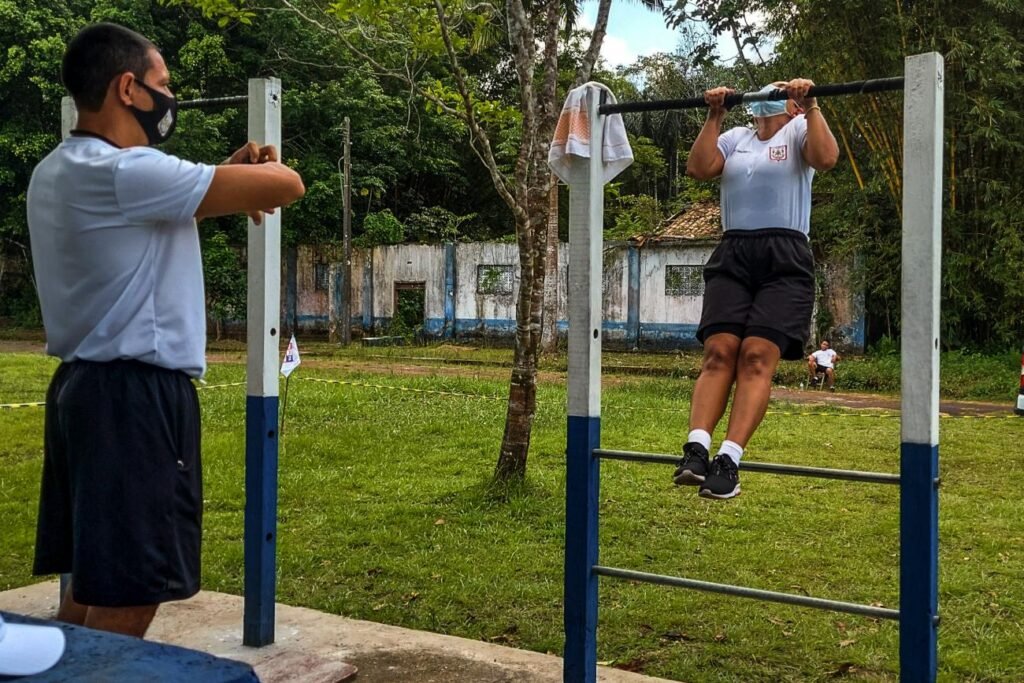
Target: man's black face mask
column 158, row 123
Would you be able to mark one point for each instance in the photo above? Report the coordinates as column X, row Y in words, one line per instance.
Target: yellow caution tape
column 434, row 392
column 203, row 387
column 12, row 406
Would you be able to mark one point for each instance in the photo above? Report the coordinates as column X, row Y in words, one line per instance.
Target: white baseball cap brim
column 26, row 649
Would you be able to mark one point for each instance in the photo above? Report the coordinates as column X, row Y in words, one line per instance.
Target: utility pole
column 346, row 237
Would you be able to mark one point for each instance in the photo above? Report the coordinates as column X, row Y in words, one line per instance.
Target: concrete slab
column 313, row 647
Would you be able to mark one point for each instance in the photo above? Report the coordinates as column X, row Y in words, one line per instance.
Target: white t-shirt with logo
column 116, row 254
column 766, row 183
column 824, row 359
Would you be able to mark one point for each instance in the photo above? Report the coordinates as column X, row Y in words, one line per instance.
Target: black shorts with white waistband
column 121, row 502
column 760, row 283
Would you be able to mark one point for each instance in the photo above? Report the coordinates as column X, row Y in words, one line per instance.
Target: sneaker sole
column 688, row 478
column 707, row 493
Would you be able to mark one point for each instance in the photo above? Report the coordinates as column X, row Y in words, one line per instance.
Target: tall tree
column 431, row 46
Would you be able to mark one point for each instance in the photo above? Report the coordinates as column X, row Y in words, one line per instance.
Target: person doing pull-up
column 759, row 282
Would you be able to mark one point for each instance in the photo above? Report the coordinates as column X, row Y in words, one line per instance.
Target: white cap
column 26, row 650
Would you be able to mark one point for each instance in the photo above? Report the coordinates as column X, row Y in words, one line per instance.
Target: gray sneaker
column 723, row 480
column 693, row 468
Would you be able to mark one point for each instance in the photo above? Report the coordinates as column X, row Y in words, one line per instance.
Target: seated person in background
column 823, row 361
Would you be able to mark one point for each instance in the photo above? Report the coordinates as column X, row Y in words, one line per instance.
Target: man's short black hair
column 98, row 54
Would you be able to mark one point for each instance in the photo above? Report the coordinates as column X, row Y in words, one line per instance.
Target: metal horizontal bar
column 764, row 467
column 830, row 90
column 213, row 102
column 755, row 593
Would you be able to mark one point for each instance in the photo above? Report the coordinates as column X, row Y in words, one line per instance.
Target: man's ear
column 123, row 88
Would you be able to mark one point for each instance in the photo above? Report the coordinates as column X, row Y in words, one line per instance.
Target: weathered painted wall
column 479, row 314
column 843, row 303
column 615, row 292
column 313, row 304
column 408, row 263
column 667, row 320
column 656, row 319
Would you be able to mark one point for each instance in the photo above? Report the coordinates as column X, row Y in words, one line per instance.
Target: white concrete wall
column 470, row 305
column 615, row 283
column 313, row 305
column 408, row 263
column 655, row 306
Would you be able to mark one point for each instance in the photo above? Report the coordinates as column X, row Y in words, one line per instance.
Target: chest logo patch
column 778, row 153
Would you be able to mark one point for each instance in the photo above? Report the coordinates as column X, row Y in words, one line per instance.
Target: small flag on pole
column 291, row 358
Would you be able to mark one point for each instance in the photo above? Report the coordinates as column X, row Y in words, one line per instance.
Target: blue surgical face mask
column 769, row 107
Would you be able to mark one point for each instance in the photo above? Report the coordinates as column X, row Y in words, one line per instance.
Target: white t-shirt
column 116, row 254
column 824, row 359
column 766, row 184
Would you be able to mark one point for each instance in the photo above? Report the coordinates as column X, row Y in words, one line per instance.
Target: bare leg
column 831, row 378
column 70, row 611
column 717, row 372
column 129, row 621
column 758, row 359
column 811, row 367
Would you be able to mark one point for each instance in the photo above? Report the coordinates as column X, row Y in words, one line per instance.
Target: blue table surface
column 99, row 657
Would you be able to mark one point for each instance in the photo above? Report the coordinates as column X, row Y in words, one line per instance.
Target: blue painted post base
column 919, row 562
column 581, row 507
column 260, row 519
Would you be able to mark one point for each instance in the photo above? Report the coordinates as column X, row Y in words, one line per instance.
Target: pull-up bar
column 919, row 418
column 852, row 88
column 202, row 103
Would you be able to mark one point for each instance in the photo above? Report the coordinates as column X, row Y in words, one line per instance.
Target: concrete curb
column 314, row 647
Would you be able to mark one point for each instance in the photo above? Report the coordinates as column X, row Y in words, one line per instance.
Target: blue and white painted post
column 586, row 223
column 919, row 447
column 262, row 325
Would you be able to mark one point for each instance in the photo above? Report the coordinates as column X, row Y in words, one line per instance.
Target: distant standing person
column 823, row 362
column 115, row 250
column 759, row 282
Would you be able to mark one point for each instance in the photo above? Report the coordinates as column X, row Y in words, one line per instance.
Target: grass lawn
column 386, row 515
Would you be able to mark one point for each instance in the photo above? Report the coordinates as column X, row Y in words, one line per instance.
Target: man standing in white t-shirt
column 119, row 274
column 823, row 362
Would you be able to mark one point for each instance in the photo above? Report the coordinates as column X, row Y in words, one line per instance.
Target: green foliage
column 435, row 224
column 381, row 228
column 634, row 215
column 409, row 310
column 225, row 278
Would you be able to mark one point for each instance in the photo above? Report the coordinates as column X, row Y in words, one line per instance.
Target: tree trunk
column 522, row 393
column 549, row 336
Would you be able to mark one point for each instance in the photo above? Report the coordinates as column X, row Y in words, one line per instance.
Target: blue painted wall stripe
column 261, row 440
column 633, row 297
column 582, row 487
column 919, row 562
column 368, row 291
column 449, row 291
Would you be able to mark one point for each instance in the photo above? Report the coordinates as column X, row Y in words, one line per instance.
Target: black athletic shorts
column 821, row 369
column 121, row 502
column 760, row 283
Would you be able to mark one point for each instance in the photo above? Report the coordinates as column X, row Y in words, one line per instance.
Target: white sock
column 733, row 450
column 701, row 437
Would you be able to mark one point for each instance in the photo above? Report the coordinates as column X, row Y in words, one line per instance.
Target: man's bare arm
column 248, row 188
